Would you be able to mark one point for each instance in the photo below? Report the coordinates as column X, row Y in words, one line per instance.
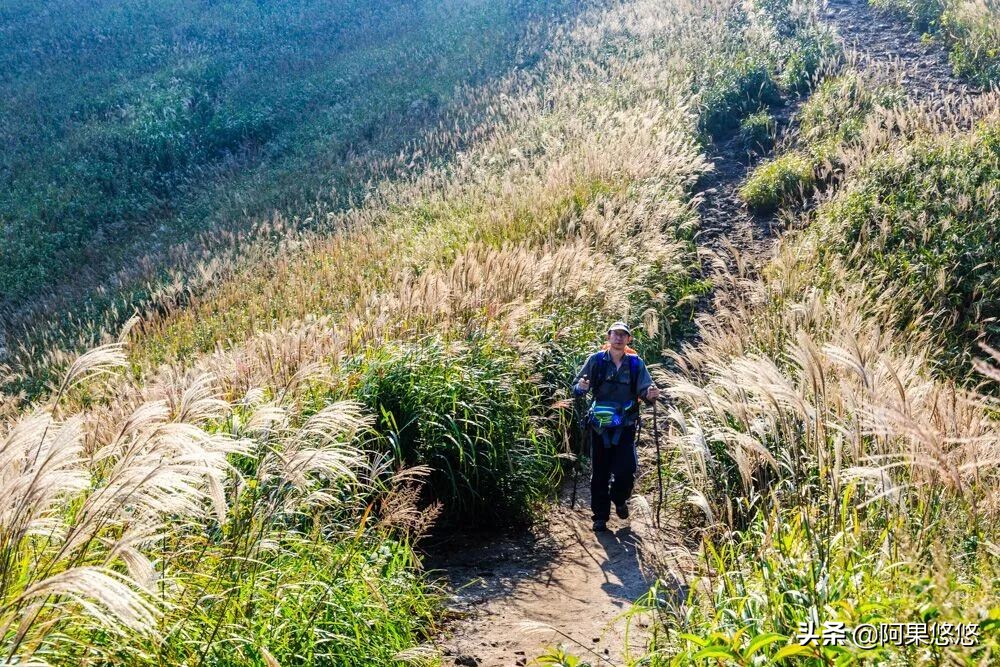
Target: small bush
column 466, row 411
column 737, row 89
column 807, row 54
column 757, row 131
column 779, row 182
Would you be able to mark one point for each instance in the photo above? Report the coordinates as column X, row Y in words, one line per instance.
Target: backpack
column 601, row 369
column 608, row 416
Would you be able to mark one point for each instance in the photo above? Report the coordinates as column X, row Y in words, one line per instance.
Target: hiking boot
column 622, row 510
column 600, row 525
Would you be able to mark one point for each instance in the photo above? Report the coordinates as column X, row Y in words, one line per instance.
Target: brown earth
column 516, row 596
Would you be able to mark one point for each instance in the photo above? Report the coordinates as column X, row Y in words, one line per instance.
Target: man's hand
column 652, row 393
column 583, row 385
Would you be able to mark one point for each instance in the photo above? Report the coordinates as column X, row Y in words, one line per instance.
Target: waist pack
column 607, row 414
column 606, row 417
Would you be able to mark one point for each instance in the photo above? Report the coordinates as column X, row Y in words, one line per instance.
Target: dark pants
column 618, row 462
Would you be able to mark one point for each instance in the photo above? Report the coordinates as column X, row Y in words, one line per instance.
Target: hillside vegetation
column 843, row 473
column 240, row 475
column 243, row 489
column 137, row 135
column 969, row 28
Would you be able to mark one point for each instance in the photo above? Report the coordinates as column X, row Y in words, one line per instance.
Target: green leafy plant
column 757, row 131
column 778, row 182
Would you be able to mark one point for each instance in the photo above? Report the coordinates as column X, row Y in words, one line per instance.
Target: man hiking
column 618, row 378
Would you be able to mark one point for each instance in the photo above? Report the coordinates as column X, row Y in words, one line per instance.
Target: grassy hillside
column 240, row 475
column 130, row 127
column 246, row 486
column 843, row 473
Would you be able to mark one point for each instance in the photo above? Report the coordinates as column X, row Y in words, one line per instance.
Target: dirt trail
column 564, row 577
column 922, row 66
column 576, row 584
column 724, row 217
column 875, row 39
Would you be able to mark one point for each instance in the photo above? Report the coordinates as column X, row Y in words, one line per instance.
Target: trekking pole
column 659, row 468
column 576, row 469
column 576, row 457
column 638, row 426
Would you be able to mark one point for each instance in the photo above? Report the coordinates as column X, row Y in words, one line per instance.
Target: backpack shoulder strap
column 599, row 370
column 633, row 373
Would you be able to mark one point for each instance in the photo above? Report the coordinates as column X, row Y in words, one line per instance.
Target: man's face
column 618, row 339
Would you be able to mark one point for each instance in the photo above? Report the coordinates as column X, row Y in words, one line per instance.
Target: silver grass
column 100, row 360
column 421, row 654
column 103, row 594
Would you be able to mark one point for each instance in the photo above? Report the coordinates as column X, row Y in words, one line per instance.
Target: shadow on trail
column 621, row 559
column 479, row 566
column 559, row 583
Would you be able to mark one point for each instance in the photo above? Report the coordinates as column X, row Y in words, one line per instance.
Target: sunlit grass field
column 241, row 481
column 137, row 135
column 238, row 475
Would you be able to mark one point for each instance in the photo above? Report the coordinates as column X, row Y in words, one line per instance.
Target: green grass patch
column 740, row 73
column 314, row 602
column 779, row 182
column 757, row 131
column 470, row 412
column 838, row 108
column 795, row 568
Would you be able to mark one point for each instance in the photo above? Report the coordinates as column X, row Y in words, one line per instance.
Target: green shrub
column 314, row 602
column 806, row 54
column 736, row 89
column 470, row 413
column 757, row 131
column 794, row 566
column 778, row 182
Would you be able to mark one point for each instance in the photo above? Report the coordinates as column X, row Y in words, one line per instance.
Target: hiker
column 618, row 378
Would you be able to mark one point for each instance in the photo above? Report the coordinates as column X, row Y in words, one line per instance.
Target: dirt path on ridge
column 923, row 67
column 515, row 595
